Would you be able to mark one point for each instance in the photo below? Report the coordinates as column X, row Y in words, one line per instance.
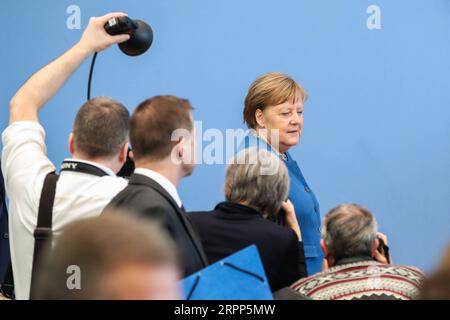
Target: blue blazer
column 305, row 203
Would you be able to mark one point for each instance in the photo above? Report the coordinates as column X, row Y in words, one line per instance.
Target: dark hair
column 101, row 127
column 98, row 245
column 153, row 123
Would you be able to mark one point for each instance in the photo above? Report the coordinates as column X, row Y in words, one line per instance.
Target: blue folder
column 239, row 276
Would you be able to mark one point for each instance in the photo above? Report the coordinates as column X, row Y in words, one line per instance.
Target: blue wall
column 377, row 124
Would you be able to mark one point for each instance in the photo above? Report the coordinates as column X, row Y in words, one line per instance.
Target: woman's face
column 287, row 118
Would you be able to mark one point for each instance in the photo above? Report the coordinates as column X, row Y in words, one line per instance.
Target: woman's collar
column 283, row 156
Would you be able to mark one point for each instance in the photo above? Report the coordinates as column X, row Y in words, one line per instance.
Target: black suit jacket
column 232, row 227
column 146, row 197
column 4, row 242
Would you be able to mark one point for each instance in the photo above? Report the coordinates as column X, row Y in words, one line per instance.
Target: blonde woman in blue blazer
column 274, row 112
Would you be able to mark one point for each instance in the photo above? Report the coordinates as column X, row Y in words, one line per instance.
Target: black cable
column 90, row 76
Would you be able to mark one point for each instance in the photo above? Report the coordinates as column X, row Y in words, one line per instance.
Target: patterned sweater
column 362, row 280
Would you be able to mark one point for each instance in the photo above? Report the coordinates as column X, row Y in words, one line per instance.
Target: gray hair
column 257, row 178
column 349, row 230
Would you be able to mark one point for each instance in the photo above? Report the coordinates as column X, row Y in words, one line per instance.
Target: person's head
column 348, row 231
column 113, row 256
column 100, row 132
column 258, row 179
column 275, row 102
column 437, row 286
column 162, row 130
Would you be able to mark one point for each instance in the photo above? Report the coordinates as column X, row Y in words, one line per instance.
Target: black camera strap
column 43, row 231
column 75, row 166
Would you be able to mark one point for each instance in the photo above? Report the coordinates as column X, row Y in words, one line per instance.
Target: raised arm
column 44, row 84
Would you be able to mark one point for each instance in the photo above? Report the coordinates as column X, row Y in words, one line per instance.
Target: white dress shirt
column 162, row 181
column 78, row 195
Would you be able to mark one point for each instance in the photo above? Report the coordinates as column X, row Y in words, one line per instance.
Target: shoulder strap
column 43, row 230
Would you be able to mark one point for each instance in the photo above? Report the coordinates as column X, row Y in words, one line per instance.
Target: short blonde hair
column 271, row 89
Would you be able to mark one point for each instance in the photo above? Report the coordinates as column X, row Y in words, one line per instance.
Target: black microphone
column 141, row 34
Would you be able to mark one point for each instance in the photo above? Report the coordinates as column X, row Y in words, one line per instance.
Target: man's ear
column 71, row 144
column 376, row 243
column 123, row 152
column 259, row 118
column 325, row 262
column 324, row 248
column 328, row 258
column 177, row 153
column 180, row 147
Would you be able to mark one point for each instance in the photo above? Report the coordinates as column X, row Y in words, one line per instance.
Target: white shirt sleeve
column 24, row 161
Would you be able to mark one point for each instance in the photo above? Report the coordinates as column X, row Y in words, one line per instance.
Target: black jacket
column 146, row 197
column 232, row 227
column 4, row 243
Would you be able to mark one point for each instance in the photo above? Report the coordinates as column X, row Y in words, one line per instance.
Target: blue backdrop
column 377, row 124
